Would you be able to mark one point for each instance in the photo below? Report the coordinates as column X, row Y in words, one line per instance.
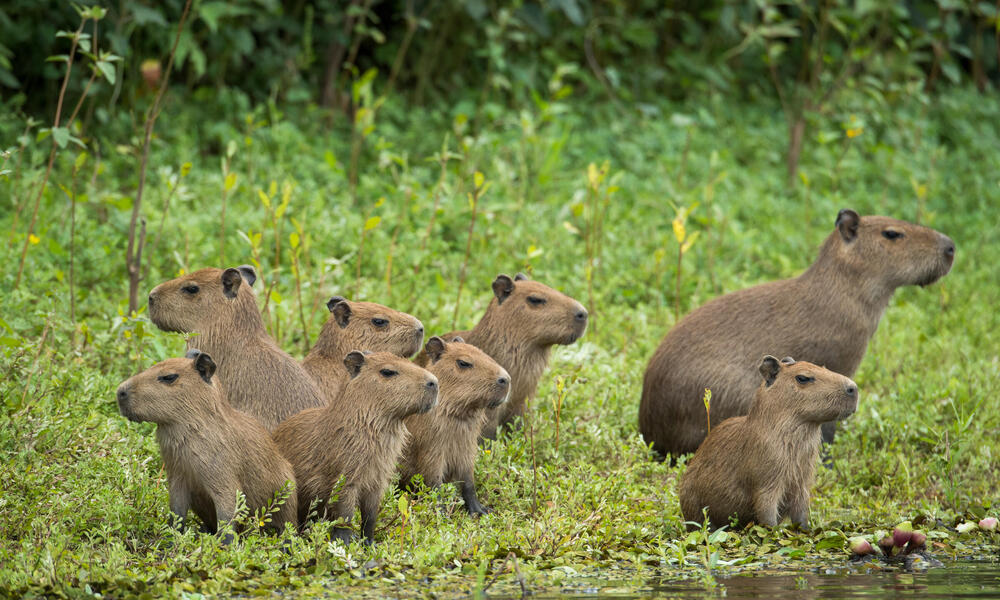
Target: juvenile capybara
column 358, row 326
column 358, row 441
column 825, row 316
column 219, row 305
column 524, row 320
column 760, row 467
column 442, row 446
column 211, row 450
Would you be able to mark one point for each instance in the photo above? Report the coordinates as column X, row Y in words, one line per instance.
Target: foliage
column 84, row 503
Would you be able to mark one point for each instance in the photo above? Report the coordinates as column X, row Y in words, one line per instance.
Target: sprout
column 902, row 533
column 966, row 527
column 917, row 541
column 860, row 546
column 988, row 524
column 886, row 545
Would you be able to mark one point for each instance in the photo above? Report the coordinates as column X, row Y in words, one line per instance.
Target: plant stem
column 468, row 250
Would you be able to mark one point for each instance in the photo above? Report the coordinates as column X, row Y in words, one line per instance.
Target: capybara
column 358, row 441
column 825, row 316
column 358, row 326
column 211, row 450
column 220, row 306
column 524, row 320
column 442, row 446
column 760, row 467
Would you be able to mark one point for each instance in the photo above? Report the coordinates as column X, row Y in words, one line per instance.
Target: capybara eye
column 167, row 378
column 388, row 373
column 892, row 234
column 536, row 301
column 377, row 322
column 190, row 289
column 804, row 379
column 463, row 364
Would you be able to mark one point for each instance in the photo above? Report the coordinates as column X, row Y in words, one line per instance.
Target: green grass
column 83, row 507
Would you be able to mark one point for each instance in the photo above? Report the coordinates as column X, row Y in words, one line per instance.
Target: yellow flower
column 855, row 132
column 34, row 239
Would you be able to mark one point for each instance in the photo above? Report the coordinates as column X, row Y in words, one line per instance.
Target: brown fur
column 258, row 377
column 761, row 466
column 519, row 335
column 442, row 446
column 825, row 316
column 358, row 326
column 359, row 440
column 211, row 451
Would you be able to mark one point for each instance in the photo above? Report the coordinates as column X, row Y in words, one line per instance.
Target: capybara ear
column 520, row 277
column 205, row 366
column 769, row 369
column 847, row 224
column 341, row 312
column 249, row 273
column 333, row 302
column 788, row 360
column 434, row 348
column 458, row 339
column 503, row 286
column 354, row 361
column 192, row 353
column 231, row 281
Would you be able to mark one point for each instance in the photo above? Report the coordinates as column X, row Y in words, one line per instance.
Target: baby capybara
column 825, row 316
column 442, row 446
column 219, row 306
column 358, row 441
column 524, row 320
column 760, row 467
column 358, row 326
column 211, row 451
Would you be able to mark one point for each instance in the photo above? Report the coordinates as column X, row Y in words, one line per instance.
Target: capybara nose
column 581, row 316
column 431, row 385
column 420, row 329
column 122, row 395
column 151, row 301
column 851, row 390
column 949, row 250
column 503, row 381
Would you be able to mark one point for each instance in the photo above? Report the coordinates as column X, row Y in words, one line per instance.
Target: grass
column 83, row 508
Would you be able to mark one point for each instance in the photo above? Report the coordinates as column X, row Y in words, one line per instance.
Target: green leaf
column 61, row 136
column 108, row 70
column 372, row 223
column 293, row 240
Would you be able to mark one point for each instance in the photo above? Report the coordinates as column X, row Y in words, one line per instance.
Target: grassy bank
column 386, row 217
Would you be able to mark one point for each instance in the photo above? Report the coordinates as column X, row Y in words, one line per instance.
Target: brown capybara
column 211, row 450
column 219, row 305
column 442, row 446
column 760, row 467
column 358, row 326
column 825, row 316
column 524, row 320
column 357, row 441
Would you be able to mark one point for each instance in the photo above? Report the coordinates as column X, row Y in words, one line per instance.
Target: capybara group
column 219, row 305
column 760, row 467
column 351, row 449
column 358, row 326
column 442, row 446
column 825, row 316
column 524, row 320
column 211, row 451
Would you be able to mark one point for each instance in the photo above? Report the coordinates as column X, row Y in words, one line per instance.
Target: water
column 963, row 579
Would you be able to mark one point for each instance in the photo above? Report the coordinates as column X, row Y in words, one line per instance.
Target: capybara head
column 394, row 385
column 545, row 315
column 470, row 379
column 804, row 391
column 891, row 251
column 195, row 301
column 170, row 391
column 370, row 326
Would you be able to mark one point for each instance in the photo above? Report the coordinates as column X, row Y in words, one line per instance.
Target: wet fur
column 259, row 378
column 825, row 316
column 761, row 467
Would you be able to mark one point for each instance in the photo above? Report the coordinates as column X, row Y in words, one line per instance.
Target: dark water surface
column 963, row 579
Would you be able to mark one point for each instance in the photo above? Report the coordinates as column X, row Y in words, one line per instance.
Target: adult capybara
column 358, row 441
column 219, row 305
column 825, row 316
column 760, row 467
column 442, row 446
column 523, row 321
column 211, row 451
column 358, row 326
